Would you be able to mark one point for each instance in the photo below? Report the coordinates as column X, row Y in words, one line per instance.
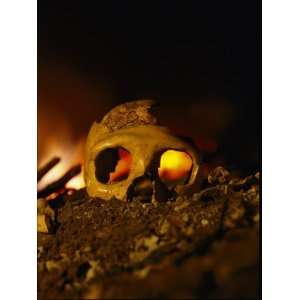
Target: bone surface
column 127, row 115
column 132, row 127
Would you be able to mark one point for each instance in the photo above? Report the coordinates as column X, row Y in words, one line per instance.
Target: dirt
column 205, row 246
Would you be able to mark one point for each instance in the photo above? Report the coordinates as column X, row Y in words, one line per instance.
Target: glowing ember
column 123, row 166
column 70, row 154
column 76, row 182
column 175, row 166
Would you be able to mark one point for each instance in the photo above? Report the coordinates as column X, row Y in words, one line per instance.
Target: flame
column 175, row 166
column 70, row 152
column 123, row 166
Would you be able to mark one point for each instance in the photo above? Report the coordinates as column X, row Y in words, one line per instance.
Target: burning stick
column 47, row 167
column 60, row 183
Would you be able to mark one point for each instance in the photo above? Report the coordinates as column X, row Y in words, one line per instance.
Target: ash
column 205, row 246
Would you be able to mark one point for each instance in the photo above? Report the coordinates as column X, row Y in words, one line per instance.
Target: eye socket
column 113, row 165
column 175, row 167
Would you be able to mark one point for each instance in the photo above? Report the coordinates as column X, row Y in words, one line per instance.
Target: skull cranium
column 133, row 129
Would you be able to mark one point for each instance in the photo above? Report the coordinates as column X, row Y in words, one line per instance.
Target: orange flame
column 123, row 166
column 175, row 166
column 71, row 153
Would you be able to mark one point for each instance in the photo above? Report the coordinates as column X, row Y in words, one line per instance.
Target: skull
column 125, row 152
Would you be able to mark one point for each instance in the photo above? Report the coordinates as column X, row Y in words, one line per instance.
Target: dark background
column 201, row 60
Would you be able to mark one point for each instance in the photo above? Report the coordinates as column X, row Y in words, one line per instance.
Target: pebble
column 185, row 217
column 190, row 230
column 256, row 218
column 181, row 206
column 204, row 222
column 52, row 265
column 143, row 272
column 165, row 227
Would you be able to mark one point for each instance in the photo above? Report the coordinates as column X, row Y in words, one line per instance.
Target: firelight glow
column 123, row 166
column 70, row 153
column 175, row 166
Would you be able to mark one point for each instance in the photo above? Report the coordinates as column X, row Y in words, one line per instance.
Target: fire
column 76, row 182
column 71, row 153
column 123, row 166
column 175, row 166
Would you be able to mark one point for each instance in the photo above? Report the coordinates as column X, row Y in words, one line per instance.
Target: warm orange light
column 175, row 166
column 76, row 182
column 123, row 166
column 70, row 152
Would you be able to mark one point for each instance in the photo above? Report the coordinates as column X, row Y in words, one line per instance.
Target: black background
column 192, row 56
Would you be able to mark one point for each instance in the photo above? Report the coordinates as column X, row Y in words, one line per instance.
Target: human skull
column 131, row 129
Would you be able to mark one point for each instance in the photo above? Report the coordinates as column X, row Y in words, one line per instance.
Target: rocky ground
column 205, row 246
